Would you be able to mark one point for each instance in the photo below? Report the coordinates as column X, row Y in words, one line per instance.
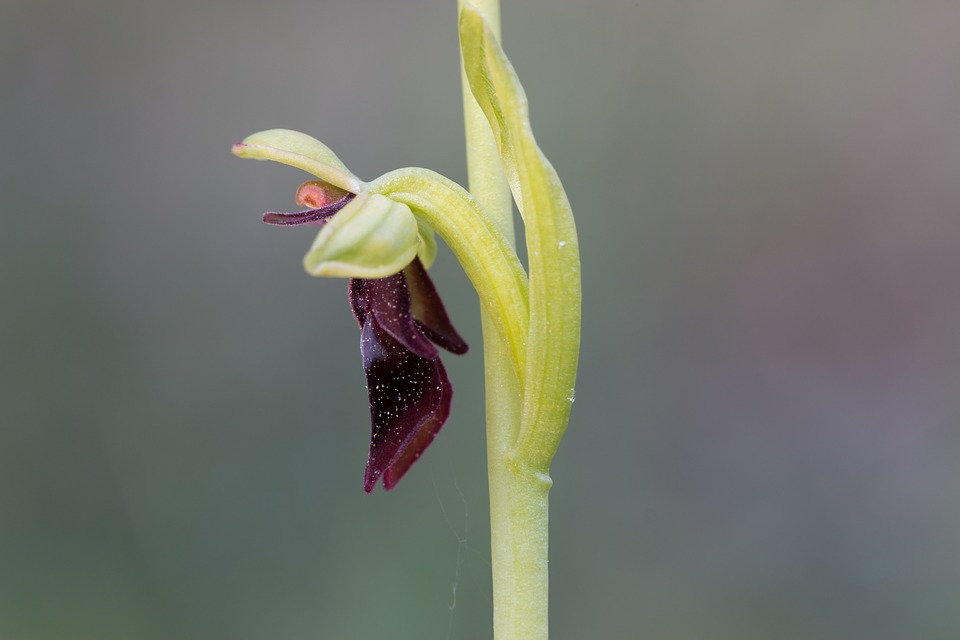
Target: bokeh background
column 765, row 440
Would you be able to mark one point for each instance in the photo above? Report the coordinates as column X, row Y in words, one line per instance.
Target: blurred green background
column 764, row 443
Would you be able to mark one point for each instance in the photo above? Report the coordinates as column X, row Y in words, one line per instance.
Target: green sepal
column 301, row 151
column 554, row 335
column 372, row 237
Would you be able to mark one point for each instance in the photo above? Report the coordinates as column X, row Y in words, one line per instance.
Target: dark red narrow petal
column 315, row 217
column 409, row 396
column 428, row 310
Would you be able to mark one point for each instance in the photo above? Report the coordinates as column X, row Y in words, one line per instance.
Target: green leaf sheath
column 486, row 256
column 553, row 341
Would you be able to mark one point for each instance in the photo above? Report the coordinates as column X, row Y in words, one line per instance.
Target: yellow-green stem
column 518, row 496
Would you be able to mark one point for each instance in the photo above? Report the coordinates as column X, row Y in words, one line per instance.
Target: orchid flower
column 377, row 244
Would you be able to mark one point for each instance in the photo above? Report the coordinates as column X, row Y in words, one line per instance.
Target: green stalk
column 518, row 495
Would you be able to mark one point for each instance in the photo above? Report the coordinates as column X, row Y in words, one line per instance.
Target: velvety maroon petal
column 388, row 299
column 409, row 402
column 314, row 217
column 428, row 311
column 424, row 435
column 407, row 385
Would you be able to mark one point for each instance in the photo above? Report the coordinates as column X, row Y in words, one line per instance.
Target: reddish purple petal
column 409, row 396
column 428, row 310
column 315, row 217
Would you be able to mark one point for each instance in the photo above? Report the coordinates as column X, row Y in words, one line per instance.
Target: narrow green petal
column 552, row 248
column 301, row 151
column 372, row 237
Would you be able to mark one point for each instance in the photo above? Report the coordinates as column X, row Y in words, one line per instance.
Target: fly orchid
column 401, row 317
column 380, row 235
column 377, row 241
